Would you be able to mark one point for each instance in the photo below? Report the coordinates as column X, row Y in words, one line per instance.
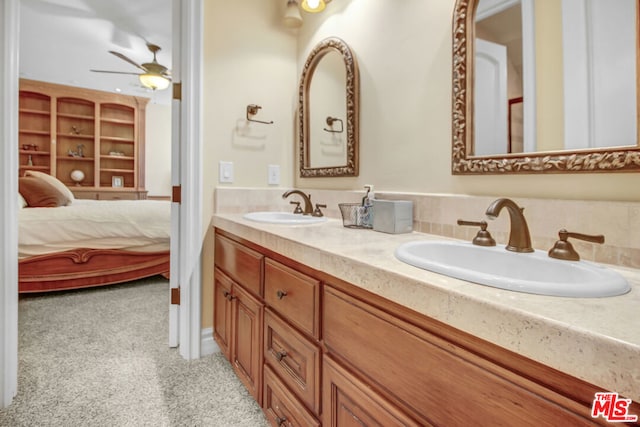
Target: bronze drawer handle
column 281, row 355
column 228, row 295
column 281, row 420
column 281, row 294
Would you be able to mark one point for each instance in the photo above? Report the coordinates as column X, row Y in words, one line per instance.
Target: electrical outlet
column 273, row 172
column 225, row 171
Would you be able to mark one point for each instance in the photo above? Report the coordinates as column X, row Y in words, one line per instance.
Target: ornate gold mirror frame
column 351, row 125
column 462, row 162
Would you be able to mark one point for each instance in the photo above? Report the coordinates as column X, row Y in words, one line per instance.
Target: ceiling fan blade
column 114, row 72
column 130, row 61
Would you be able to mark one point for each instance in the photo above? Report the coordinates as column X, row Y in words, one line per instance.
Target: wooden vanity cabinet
column 334, row 354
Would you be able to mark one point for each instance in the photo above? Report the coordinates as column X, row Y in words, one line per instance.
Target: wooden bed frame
column 81, row 268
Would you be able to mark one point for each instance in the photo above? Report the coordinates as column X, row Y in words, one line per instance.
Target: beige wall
column 404, row 54
column 403, row 50
column 249, row 58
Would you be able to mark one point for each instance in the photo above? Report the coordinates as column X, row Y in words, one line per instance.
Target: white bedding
column 139, row 225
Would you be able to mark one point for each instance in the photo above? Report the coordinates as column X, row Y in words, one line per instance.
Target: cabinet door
column 246, row 350
column 222, row 312
column 348, row 402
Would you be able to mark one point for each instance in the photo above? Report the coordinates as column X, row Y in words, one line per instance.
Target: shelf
column 34, row 132
column 32, row 111
column 106, row 156
column 117, row 139
column 76, row 159
column 35, row 168
column 76, row 116
column 58, row 120
column 116, row 170
column 35, row 153
column 70, row 135
column 118, row 121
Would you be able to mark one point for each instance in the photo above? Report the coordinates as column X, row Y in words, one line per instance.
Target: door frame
column 9, row 37
column 186, row 173
column 191, row 31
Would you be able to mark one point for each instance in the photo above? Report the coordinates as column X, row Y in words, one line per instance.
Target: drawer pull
column 228, row 295
column 281, row 294
column 281, row 420
column 281, row 355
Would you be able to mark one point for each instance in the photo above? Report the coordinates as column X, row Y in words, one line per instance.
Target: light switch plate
column 273, row 174
column 225, row 171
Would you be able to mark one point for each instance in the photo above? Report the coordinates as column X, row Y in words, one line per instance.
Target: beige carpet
column 99, row 357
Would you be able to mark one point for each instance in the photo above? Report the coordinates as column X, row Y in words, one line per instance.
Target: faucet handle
column 298, row 209
column 483, row 238
column 317, row 211
column 563, row 249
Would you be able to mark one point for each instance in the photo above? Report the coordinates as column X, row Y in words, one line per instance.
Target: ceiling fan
column 154, row 75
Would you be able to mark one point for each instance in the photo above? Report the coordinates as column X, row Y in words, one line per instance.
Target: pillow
column 21, row 201
column 63, row 189
column 39, row 193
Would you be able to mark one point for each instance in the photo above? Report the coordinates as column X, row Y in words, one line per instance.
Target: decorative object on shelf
column 252, row 110
column 116, row 153
column 30, row 147
column 79, row 153
column 75, row 130
column 117, row 181
column 77, row 176
column 29, row 161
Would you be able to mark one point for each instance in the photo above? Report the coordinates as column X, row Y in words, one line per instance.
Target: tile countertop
column 595, row 339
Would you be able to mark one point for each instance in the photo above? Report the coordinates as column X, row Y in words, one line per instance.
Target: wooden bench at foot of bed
column 81, row 268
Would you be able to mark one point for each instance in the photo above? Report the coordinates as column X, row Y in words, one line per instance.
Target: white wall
column 158, row 150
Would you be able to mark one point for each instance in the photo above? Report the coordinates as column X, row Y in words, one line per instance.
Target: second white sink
column 284, row 218
column 533, row 272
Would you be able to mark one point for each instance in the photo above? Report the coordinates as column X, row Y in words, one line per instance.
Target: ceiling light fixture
column 314, row 6
column 292, row 18
column 154, row 81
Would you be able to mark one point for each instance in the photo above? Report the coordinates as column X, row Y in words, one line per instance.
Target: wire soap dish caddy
column 355, row 215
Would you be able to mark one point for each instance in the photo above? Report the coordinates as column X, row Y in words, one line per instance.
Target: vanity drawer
column 294, row 295
column 281, row 407
column 294, row 358
column 242, row 264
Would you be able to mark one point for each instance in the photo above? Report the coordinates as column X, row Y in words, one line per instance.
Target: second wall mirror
column 328, row 111
column 545, row 86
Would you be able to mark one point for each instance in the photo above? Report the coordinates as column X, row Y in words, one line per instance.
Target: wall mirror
column 328, row 111
column 545, row 86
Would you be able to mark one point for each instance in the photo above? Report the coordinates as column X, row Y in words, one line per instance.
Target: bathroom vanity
column 325, row 327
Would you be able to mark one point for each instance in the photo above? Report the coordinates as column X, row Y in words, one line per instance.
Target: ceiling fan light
column 154, row 81
column 314, row 6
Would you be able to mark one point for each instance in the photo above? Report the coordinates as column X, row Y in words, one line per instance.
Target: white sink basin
column 284, row 218
column 533, row 272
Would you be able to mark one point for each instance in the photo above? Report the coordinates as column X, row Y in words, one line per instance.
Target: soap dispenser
column 367, row 207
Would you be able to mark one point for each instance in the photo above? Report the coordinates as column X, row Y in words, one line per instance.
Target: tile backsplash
column 437, row 214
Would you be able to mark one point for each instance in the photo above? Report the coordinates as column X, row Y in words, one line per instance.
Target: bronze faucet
column 308, row 206
column 519, row 238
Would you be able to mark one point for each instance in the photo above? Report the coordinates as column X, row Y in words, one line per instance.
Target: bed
column 82, row 243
